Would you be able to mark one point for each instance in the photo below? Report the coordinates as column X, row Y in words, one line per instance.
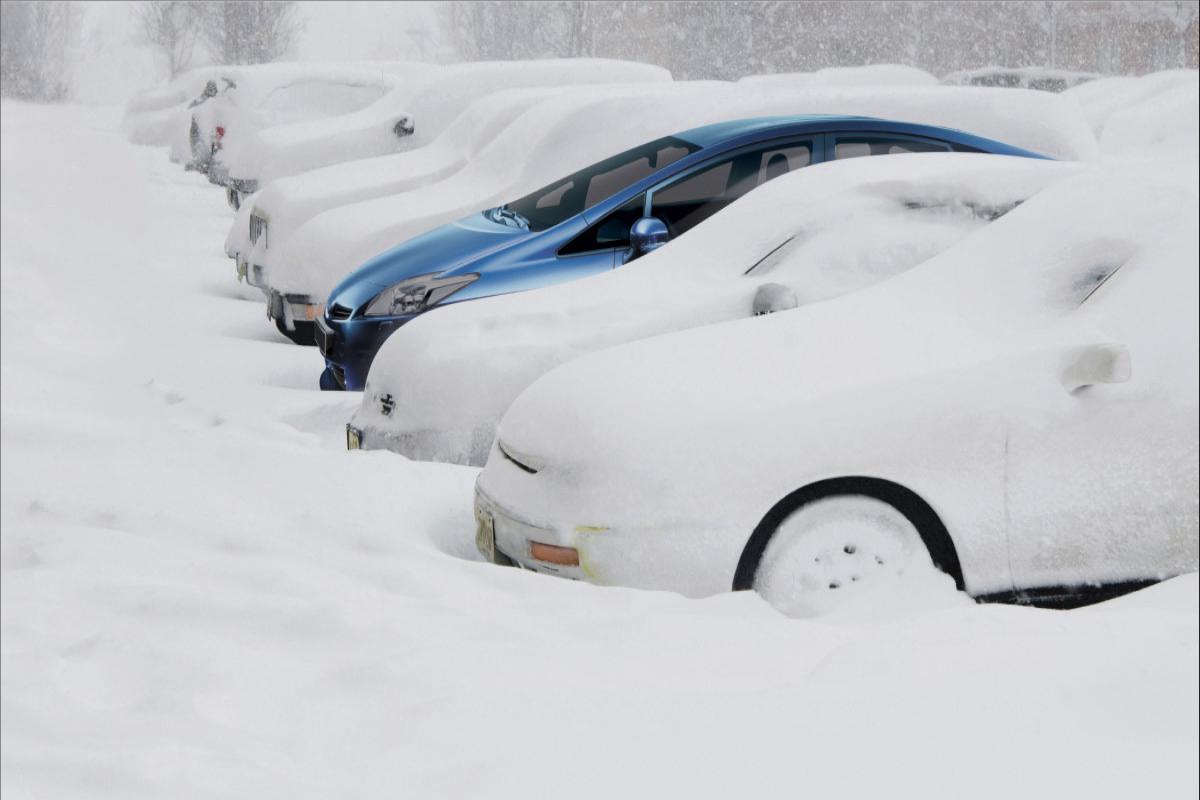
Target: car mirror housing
column 403, row 127
column 1097, row 363
column 772, row 297
column 648, row 234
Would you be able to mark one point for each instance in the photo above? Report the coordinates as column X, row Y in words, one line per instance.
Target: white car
column 159, row 116
column 211, row 109
column 1019, row 413
column 439, row 385
column 408, row 117
column 564, row 134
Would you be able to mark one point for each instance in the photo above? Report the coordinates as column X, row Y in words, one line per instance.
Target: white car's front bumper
column 503, row 537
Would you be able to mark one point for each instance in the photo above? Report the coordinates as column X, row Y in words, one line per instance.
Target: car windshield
column 568, row 196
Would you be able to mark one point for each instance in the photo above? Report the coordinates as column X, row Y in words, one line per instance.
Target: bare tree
column 34, row 39
column 249, row 31
column 173, row 27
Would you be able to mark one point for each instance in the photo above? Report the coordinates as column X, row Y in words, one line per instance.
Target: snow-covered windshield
column 568, row 196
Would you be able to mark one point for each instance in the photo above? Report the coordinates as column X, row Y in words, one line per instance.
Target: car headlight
column 414, row 295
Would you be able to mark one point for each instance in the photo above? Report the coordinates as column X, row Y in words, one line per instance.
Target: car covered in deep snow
column 1019, row 412
column 597, row 219
column 439, row 385
column 212, row 109
column 410, row 116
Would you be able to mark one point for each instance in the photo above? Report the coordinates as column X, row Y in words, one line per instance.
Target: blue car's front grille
column 339, row 312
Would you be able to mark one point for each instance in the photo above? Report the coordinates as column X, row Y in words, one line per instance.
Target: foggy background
column 103, row 52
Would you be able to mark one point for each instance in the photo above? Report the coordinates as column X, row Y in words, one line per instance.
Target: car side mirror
column 648, row 234
column 403, row 127
column 1096, row 363
column 772, row 297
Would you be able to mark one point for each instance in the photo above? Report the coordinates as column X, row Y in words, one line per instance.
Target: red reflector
column 553, row 554
column 220, row 131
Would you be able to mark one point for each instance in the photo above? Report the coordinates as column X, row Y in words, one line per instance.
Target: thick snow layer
column 205, row 596
column 428, row 105
column 266, row 95
column 822, row 232
column 1165, row 124
column 1101, row 99
column 530, row 153
column 287, row 203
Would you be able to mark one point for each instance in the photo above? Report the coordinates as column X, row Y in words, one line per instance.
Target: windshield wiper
column 507, row 216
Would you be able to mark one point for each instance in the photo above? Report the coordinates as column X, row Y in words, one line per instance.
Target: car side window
column 612, row 231
column 858, row 145
column 688, row 202
column 607, row 184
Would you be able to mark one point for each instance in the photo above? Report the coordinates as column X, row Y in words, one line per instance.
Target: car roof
column 750, row 129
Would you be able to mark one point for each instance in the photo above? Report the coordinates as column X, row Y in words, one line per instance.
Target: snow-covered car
column 262, row 230
column 439, row 385
column 1019, row 412
column 410, row 116
column 159, row 116
column 210, row 108
column 1045, row 79
column 563, row 135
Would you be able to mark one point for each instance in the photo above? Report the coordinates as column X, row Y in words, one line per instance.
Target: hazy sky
column 112, row 62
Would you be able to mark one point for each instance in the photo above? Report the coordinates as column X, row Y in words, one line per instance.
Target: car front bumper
column 292, row 309
column 503, row 537
column 349, row 346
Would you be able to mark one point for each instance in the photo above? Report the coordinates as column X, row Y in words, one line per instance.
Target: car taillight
column 220, row 132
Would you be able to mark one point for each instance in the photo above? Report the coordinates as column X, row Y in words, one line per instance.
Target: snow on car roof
column 433, row 102
column 1037, row 121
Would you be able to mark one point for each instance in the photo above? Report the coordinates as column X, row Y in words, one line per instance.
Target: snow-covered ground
column 204, row 595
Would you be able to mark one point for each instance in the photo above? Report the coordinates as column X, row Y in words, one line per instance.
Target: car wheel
column 233, row 197
column 840, row 541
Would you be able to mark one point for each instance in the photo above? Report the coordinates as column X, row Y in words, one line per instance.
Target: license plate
column 485, row 535
column 323, row 337
column 353, row 438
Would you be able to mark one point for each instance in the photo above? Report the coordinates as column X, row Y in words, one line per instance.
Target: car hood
column 456, row 247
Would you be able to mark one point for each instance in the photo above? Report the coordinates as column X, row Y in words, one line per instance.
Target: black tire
column 927, row 523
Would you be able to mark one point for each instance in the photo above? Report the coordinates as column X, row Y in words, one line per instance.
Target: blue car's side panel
column 509, row 259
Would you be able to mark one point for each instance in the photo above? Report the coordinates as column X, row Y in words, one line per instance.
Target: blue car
column 596, row 220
